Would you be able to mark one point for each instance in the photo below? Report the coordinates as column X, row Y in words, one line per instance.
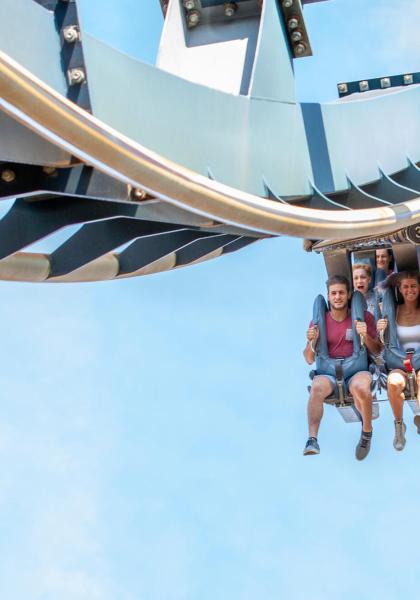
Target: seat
column 343, row 368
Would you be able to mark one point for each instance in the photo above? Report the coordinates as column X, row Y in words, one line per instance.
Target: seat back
column 394, row 354
column 351, row 365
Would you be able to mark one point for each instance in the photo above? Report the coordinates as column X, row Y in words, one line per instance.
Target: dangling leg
column 359, row 388
column 395, row 386
column 321, row 388
column 417, row 417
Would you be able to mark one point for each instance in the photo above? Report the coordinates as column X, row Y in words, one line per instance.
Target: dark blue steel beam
column 145, row 251
column 96, row 239
column 319, row 201
column 356, row 198
column 27, row 222
column 386, row 189
column 238, row 244
column 409, row 177
column 200, row 248
column 79, row 180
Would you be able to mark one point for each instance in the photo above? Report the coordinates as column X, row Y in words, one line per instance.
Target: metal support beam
column 28, row 222
column 96, row 239
column 409, row 177
column 79, row 180
column 238, row 244
column 356, row 198
column 386, row 189
column 200, row 248
column 144, row 252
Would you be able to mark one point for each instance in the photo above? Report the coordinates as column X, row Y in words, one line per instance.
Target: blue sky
column 151, row 430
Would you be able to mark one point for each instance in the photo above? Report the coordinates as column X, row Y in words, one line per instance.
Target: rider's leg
column 322, row 387
column 418, row 387
column 395, row 385
column 359, row 387
column 417, row 417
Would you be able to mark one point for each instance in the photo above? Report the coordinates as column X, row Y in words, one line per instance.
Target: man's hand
column 361, row 329
column 312, row 335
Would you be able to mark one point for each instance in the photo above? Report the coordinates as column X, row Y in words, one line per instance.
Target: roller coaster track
column 37, row 106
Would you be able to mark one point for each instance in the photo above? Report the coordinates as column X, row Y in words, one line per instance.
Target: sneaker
column 363, row 447
column 312, row 447
column 417, row 423
column 399, row 439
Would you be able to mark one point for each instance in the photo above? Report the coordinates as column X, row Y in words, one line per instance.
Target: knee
column 360, row 387
column 396, row 382
column 318, row 392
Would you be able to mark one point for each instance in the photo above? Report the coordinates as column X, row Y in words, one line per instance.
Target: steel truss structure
column 165, row 167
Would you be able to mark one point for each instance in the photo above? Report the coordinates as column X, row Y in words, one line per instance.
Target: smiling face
column 382, row 260
column 338, row 296
column 410, row 290
column 361, row 280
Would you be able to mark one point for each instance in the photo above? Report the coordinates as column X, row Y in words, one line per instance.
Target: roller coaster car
column 341, row 368
column 343, row 400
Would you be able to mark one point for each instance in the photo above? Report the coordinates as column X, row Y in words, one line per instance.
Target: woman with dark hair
column 408, row 332
column 385, row 260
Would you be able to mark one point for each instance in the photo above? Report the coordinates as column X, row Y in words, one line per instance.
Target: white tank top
column 409, row 336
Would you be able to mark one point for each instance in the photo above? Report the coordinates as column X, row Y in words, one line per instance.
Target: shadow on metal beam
column 28, row 222
column 96, row 239
column 146, row 251
column 200, row 248
column 408, row 177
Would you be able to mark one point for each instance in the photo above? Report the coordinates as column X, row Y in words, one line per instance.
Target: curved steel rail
column 39, row 107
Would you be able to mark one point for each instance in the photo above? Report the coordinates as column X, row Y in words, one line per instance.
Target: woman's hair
column 407, row 275
column 364, row 266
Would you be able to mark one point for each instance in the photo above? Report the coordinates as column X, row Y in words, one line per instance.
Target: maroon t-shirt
column 340, row 334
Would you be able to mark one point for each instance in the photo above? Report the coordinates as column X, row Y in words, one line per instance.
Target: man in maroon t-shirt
column 340, row 344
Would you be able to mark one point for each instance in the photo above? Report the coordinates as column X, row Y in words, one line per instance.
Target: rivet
column 8, row 175
column 139, row 194
column 300, row 48
column 71, row 34
column 293, row 23
column 49, row 170
column 230, row 9
column 76, row 76
column 193, row 18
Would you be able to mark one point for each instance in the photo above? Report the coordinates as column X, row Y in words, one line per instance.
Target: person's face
column 338, row 296
column 382, row 259
column 410, row 290
column 361, row 281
